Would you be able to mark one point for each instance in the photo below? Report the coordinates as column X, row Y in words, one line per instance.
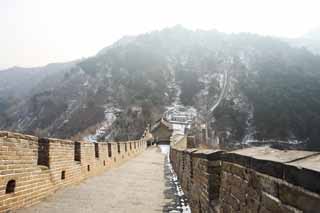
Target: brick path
column 140, row 185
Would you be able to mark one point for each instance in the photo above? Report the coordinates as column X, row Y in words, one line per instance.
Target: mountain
column 19, row 81
column 259, row 88
column 310, row 41
column 18, row 84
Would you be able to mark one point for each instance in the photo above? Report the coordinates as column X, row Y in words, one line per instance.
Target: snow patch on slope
column 110, row 117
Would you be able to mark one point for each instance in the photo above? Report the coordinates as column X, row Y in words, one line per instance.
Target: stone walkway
column 142, row 184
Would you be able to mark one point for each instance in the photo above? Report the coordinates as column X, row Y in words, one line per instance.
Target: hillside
column 272, row 89
column 19, row 82
column 310, row 41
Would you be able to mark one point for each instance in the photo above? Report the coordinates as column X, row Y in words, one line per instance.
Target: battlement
column 259, row 179
column 32, row 168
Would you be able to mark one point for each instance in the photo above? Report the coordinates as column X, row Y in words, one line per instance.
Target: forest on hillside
column 273, row 88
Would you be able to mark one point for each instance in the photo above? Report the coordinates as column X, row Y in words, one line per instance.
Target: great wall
column 258, row 179
column 33, row 168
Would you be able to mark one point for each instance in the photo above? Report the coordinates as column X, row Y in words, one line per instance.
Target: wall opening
column 77, row 151
column 43, row 152
column 125, row 147
column 88, row 168
column 135, row 145
column 118, row 145
column 96, row 150
column 104, row 162
column 63, row 175
column 109, row 150
column 130, row 146
column 11, row 186
column 183, row 162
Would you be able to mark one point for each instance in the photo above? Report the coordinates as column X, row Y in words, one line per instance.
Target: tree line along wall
column 253, row 180
column 32, row 168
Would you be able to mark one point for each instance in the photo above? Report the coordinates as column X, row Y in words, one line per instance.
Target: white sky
column 38, row 32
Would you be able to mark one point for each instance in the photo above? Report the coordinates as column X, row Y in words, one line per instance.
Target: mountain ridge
column 135, row 76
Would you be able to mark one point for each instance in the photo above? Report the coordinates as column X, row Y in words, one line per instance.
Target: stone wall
column 32, row 168
column 259, row 179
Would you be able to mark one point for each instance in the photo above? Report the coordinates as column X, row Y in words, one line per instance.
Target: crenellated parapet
column 32, row 168
column 258, row 179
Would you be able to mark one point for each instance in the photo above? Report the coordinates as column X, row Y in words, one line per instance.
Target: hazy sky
column 37, row 32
